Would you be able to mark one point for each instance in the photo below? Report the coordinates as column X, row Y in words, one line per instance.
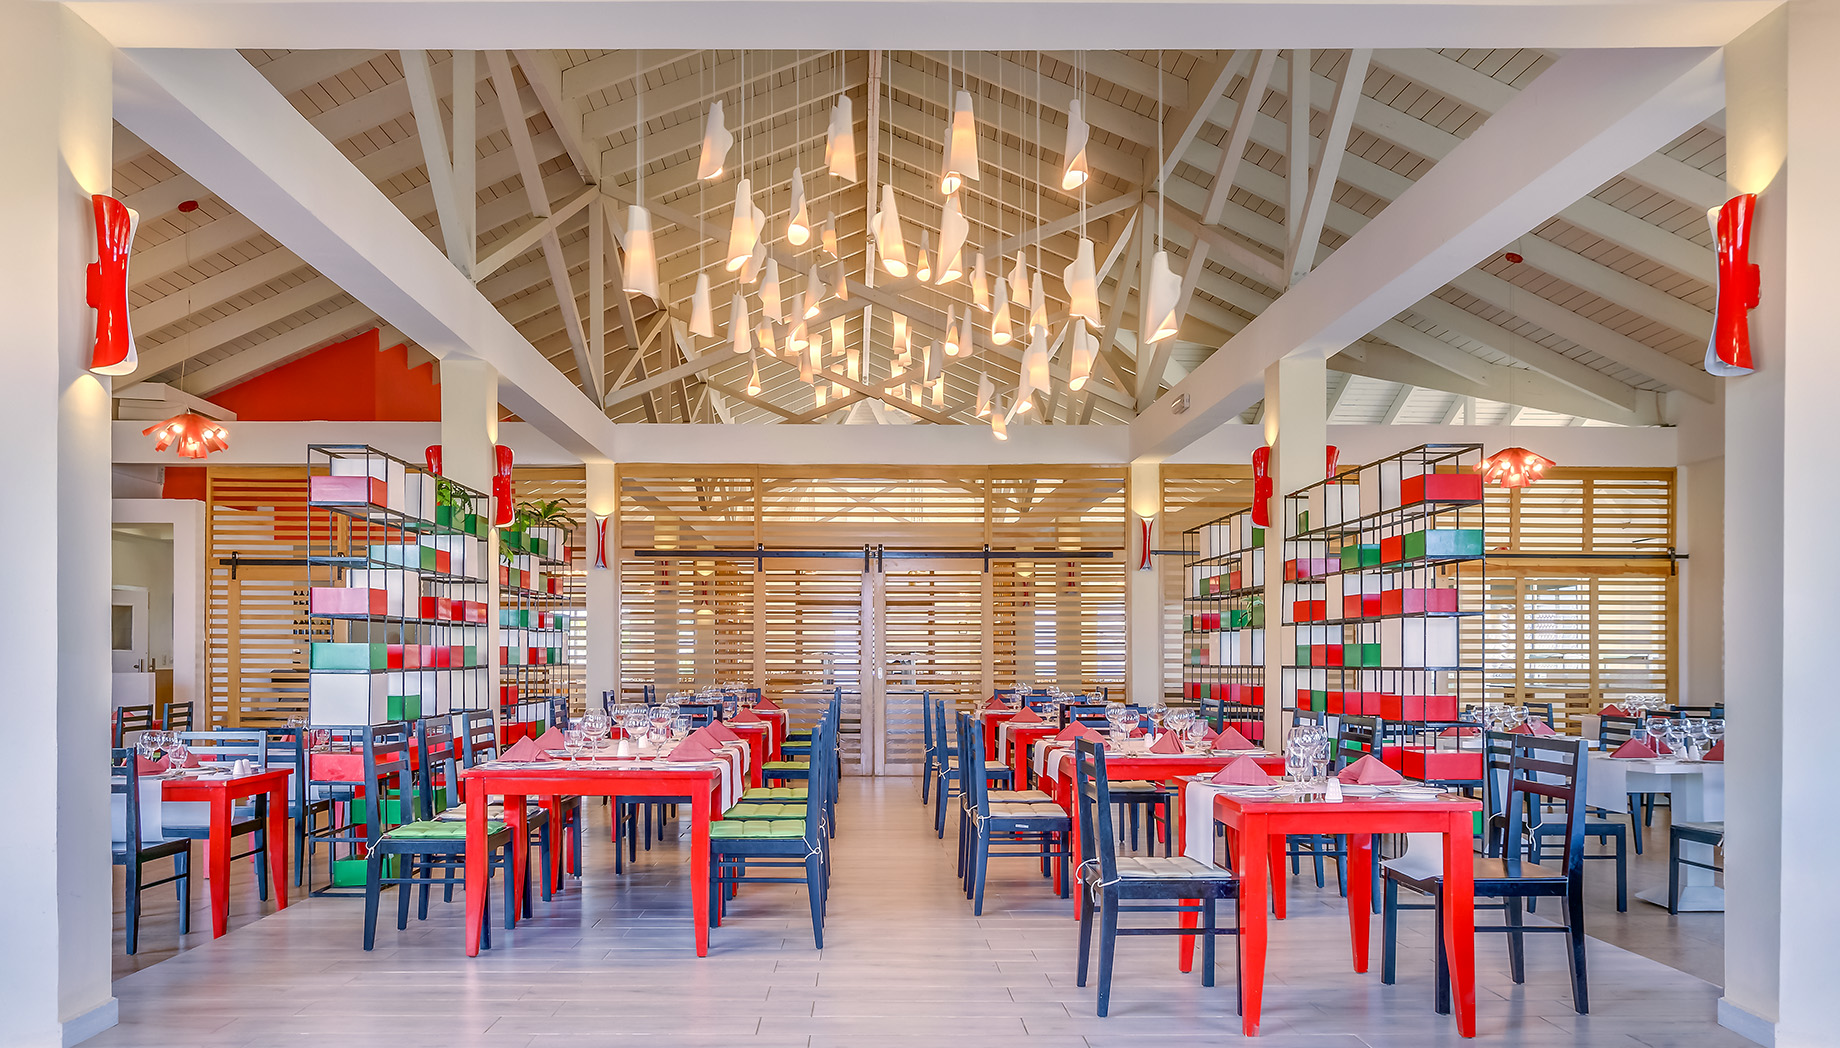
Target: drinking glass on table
column 1297, row 754
column 574, row 741
column 1121, row 720
column 1657, row 728
column 148, row 746
column 1196, row 732
column 1715, row 731
column 660, row 726
column 680, row 725
column 636, row 723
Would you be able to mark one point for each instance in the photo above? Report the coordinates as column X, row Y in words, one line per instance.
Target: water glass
column 574, row 741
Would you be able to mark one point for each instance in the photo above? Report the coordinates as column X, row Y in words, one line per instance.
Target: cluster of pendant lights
column 747, row 256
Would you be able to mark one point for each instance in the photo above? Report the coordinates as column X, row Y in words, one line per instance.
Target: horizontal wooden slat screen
column 838, row 509
column 1059, row 622
column 935, row 639
column 570, row 484
column 1586, row 510
column 685, row 623
column 1058, row 508
column 256, row 631
column 670, row 508
column 1192, row 496
column 809, row 643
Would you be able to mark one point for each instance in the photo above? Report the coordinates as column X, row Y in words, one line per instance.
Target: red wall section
column 183, row 482
column 348, row 381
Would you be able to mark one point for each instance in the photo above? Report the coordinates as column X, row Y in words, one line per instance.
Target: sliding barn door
column 930, row 638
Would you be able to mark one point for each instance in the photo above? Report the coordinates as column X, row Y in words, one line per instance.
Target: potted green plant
column 545, row 522
column 452, row 503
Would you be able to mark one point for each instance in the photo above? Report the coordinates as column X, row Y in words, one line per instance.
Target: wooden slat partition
column 256, row 631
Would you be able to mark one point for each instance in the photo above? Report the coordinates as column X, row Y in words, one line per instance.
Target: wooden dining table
column 1252, row 824
column 270, row 790
column 699, row 786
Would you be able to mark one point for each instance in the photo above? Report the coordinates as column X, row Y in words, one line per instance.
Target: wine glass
column 148, row 746
column 177, row 752
column 1297, row 750
column 1657, row 729
column 680, row 725
column 1120, row 718
column 660, row 725
column 635, row 724
column 1715, row 731
column 575, row 740
column 1196, row 730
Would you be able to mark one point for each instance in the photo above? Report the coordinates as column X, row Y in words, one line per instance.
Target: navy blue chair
column 789, row 850
column 1003, row 824
column 134, row 849
column 248, row 819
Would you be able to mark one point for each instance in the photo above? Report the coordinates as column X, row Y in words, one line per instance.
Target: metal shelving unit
column 1224, row 620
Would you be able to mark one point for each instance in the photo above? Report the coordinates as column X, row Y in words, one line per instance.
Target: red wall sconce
column 1728, row 351
column 107, row 292
column 1261, row 487
column 502, row 506
column 599, row 523
column 1144, row 527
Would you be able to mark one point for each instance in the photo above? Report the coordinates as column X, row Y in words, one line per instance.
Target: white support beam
column 1503, row 384
column 335, row 326
column 1306, row 234
column 537, row 232
column 1578, row 375
column 1212, row 75
column 233, row 325
column 209, row 111
column 545, row 77
column 1592, row 115
column 466, row 153
column 1398, row 405
column 454, row 213
column 1239, row 132
column 1453, row 409
column 1297, row 151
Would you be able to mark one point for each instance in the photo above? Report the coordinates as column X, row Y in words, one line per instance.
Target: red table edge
column 221, row 796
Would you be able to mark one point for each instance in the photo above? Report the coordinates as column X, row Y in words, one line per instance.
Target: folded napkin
column 1452, row 733
column 692, row 749
column 143, row 766
column 522, row 750
column 1613, row 711
column 1166, row 743
column 1229, row 738
column 1076, row 730
column 1370, row 772
column 722, row 732
column 1717, row 752
column 550, row 740
column 1138, row 732
column 746, row 716
column 707, row 735
column 1243, row 771
column 1026, row 716
column 766, row 704
column 996, row 706
column 1540, row 727
column 1634, row 748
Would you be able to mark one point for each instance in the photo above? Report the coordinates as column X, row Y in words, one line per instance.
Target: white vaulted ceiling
column 1608, row 307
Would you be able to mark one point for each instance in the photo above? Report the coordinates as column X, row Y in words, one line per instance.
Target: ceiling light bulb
column 840, row 141
column 1082, row 284
column 953, row 229
column 738, row 323
column 716, row 143
column 1161, row 290
column 641, row 257
column 753, row 386
column 961, row 159
column 984, row 390
column 798, row 229
column 1084, row 349
column 980, row 286
column 827, row 236
column 770, row 303
column 923, row 268
column 742, row 235
column 1076, row 171
column 814, row 292
column 1000, row 333
column 702, row 316
column 1038, row 314
column 998, row 427
column 889, row 239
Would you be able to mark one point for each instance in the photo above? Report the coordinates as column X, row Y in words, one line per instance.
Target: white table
column 1696, row 793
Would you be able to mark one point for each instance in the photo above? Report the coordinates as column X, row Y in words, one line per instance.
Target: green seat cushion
column 765, row 810
column 436, row 830
column 775, row 793
column 786, row 766
column 756, row 829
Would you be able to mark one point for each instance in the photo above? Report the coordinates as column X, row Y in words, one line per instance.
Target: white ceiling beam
column 530, row 236
column 209, row 111
column 1615, row 287
column 1213, row 74
column 239, row 279
column 1297, row 146
column 1594, row 113
column 1504, row 384
column 158, row 260
column 1306, row 235
column 1453, row 409
column 622, row 302
column 1528, row 353
column 335, row 326
column 234, row 325
column 454, row 213
column 1398, row 405
column 1239, row 132
column 1336, row 398
column 545, row 78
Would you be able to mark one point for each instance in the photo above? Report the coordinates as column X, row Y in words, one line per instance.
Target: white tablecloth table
column 1696, row 793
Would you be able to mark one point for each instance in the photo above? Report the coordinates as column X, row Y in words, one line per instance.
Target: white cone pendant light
column 1019, row 284
column 738, row 323
column 742, row 235
column 1084, row 349
column 966, row 335
column 753, row 386
column 939, row 392
column 763, row 336
column 1000, row 333
column 980, row 285
column 827, row 237
column 750, row 267
column 889, row 239
column 702, row 317
column 1036, row 360
column 799, row 339
column 716, row 143
column 1082, row 284
column 961, row 159
column 902, row 344
column 985, row 389
column 798, row 228
column 953, row 229
column 770, row 303
column 1161, row 291
column 841, row 287
column 1076, row 172
column 840, row 143
column 952, row 334
column 814, row 292
column 998, row 427
column 923, row 265
column 641, row 258
column 1038, row 311
column 805, row 369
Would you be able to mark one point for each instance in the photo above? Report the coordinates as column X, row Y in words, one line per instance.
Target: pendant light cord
column 1161, row 163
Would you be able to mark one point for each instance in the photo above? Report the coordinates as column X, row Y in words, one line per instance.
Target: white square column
column 1144, row 669
column 1780, row 428
column 1296, row 428
column 54, row 605
column 603, row 585
column 469, row 442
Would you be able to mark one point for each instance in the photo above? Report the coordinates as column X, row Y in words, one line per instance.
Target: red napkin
column 692, row 749
column 1243, row 771
column 1026, row 716
column 143, row 766
column 1520, row 729
column 721, row 731
column 1230, row 739
column 766, row 704
column 1077, row 730
column 1369, row 772
column 1717, row 752
column 522, row 750
column 1451, row 733
column 1540, row 727
column 1612, row 711
column 1166, row 743
column 746, row 716
column 1634, row 748
column 1138, row 732
column 550, row 740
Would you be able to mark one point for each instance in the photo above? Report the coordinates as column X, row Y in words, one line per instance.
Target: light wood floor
column 905, row 965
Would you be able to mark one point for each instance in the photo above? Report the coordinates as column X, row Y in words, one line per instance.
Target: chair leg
column 1517, row 941
column 185, row 890
column 549, row 863
column 408, row 868
column 926, row 781
column 1207, row 940
column 1441, row 998
column 373, row 889
column 300, row 845
column 132, row 903
column 1673, row 874
column 1389, row 930
column 1065, row 847
column 939, row 813
column 1108, row 941
column 1317, row 843
column 814, row 887
column 261, row 857
column 1574, row 920
column 1622, row 876
column 980, row 872
column 511, row 889
column 1086, row 923
column 1635, row 821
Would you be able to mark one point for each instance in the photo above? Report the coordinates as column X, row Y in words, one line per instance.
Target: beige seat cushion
column 1020, row 797
column 1158, row 867
column 1037, row 810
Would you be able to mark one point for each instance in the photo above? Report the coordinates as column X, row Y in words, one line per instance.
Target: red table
column 1253, row 823
column 991, row 719
column 515, row 783
column 1151, row 767
column 222, row 795
column 1022, row 739
column 759, row 738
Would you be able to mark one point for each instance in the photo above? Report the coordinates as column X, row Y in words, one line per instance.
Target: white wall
column 140, row 560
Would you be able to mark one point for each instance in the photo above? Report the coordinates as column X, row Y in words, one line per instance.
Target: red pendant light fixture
column 191, row 435
column 1513, row 467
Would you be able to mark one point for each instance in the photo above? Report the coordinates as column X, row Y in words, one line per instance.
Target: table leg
column 520, row 851
column 1075, row 840
column 1254, row 843
column 1360, row 865
column 1279, row 889
column 701, row 814
column 478, row 866
column 1460, row 919
column 219, row 863
column 1185, row 943
column 277, row 843
column 558, row 841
